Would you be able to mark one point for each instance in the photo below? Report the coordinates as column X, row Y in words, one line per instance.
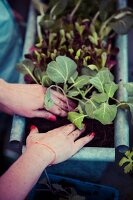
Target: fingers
column 33, row 130
column 63, row 98
column 82, row 141
column 66, row 130
column 75, row 134
column 58, row 111
column 61, row 104
column 44, row 114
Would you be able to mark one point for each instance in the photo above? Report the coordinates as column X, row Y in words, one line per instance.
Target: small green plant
column 94, row 93
column 127, row 161
column 75, row 55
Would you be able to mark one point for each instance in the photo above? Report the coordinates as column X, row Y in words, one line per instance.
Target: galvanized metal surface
column 18, row 125
column 89, row 163
column 121, row 122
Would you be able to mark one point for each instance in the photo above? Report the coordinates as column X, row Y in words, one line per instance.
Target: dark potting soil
column 104, row 133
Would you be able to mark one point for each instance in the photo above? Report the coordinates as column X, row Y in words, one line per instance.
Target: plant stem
column 121, row 104
column 116, row 100
column 77, row 99
column 105, row 24
column 41, row 10
column 56, row 86
column 48, row 180
column 65, row 87
column 74, row 10
column 95, row 17
column 70, row 87
column 89, row 89
column 83, row 96
column 39, row 32
column 30, row 73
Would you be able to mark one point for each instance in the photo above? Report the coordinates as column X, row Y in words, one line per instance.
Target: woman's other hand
column 60, row 143
column 28, row 100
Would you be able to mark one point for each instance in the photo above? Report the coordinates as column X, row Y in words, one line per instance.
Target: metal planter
column 90, row 162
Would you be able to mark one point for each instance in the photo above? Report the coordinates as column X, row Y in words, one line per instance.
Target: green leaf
column 102, row 77
column 81, row 81
column 99, row 97
column 122, row 21
column 47, row 23
column 79, row 108
column 129, row 88
column 38, row 56
column 105, row 76
column 86, row 71
column 129, row 154
column 78, row 53
column 92, row 39
column 46, row 81
column 73, row 77
column 128, row 159
column 71, row 51
column 48, row 102
column 61, row 70
column 105, row 113
column 95, row 36
column 130, row 99
column 38, row 74
column 110, row 89
column 62, row 32
column 79, row 28
column 58, row 8
column 63, row 38
column 123, row 161
column 90, row 107
column 103, row 59
column 97, row 83
column 27, row 67
column 38, row 4
column 76, row 119
column 93, row 67
column 81, row 105
column 128, row 168
column 73, row 93
column 52, row 37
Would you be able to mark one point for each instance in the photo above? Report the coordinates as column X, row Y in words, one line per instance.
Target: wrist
column 40, row 154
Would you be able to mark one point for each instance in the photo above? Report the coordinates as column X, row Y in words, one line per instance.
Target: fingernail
column 52, row 118
column 32, row 127
column 92, row 134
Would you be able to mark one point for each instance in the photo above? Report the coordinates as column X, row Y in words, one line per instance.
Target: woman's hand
column 28, row 100
column 60, row 143
column 42, row 150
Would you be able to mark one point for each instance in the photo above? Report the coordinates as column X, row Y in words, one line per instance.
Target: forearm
column 4, row 97
column 17, row 182
column 3, row 91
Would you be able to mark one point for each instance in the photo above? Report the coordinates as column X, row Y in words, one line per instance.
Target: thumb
column 33, row 129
